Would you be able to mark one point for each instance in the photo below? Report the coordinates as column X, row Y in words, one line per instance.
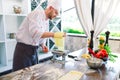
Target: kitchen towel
column 72, row 75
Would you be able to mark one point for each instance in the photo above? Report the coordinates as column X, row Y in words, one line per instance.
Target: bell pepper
column 102, row 53
column 91, row 52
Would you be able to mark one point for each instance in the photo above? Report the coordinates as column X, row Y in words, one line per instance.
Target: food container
column 12, row 35
column 94, row 62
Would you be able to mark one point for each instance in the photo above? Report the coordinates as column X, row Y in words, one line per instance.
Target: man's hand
column 45, row 49
column 59, row 34
column 64, row 34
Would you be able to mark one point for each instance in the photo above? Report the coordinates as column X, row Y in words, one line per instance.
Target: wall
column 73, row 43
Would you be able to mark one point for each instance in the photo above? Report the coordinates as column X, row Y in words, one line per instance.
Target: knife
column 74, row 57
column 71, row 56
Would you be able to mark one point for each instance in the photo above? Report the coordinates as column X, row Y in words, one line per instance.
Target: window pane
column 114, row 24
column 67, row 4
column 70, row 20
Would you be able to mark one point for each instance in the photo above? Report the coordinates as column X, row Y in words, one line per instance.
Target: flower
column 101, row 42
column 102, row 38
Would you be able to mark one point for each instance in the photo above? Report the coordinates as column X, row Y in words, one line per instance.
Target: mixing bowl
column 94, row 62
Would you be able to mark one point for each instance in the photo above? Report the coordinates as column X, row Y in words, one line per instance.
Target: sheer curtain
column 83, row 9
column 102, row 13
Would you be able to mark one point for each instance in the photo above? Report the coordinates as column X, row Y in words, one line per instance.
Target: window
column 114, row 24
column 71, row 24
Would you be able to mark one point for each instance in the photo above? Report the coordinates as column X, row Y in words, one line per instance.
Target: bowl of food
column 94, row 63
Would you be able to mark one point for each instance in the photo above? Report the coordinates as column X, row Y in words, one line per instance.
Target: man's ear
column 51, row 7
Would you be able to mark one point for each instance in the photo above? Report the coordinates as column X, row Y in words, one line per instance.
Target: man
column 32, row 33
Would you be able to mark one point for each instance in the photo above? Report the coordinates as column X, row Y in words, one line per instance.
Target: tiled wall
column 73, row 43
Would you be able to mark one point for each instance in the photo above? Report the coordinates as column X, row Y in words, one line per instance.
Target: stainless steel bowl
column 94, row 62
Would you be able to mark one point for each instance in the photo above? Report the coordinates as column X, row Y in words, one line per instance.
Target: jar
column 17, row 9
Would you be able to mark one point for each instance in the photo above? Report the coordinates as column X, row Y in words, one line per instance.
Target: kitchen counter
column 50, row 70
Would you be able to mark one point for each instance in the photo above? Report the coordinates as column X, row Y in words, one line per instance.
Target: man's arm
column 47, row 34
column 52, row 34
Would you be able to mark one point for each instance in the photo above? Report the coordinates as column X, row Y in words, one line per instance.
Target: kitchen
column 6, row 42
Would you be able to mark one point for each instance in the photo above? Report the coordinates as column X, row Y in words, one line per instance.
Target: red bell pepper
column 102, row 53
column 91, row 52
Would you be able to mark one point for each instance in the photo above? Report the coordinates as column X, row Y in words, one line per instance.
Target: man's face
column 53, row 13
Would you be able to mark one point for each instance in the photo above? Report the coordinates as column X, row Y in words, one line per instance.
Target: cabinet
column 9, row 24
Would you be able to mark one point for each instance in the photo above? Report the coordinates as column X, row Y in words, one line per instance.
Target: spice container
column 11, row 35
